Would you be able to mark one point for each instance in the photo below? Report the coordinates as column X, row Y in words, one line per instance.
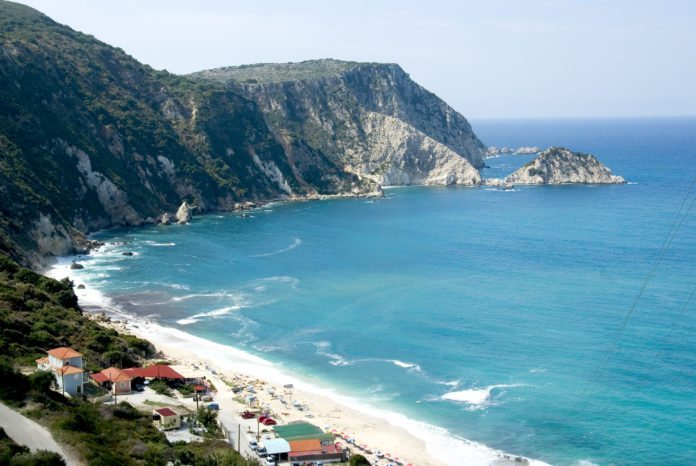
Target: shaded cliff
column 90, row 138
column 369, row 118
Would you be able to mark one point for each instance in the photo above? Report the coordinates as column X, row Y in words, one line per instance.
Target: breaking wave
column 476, row 398
column 294, row 244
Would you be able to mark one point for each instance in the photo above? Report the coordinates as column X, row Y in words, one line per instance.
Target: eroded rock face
column 183, row 215
column 400, row 155
column 558, row 165
column 369, row 118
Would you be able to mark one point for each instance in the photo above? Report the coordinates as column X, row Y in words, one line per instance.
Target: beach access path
column 24, row 431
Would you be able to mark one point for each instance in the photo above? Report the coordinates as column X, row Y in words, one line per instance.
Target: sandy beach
column 379, row 430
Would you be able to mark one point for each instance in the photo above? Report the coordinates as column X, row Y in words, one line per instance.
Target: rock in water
column 558, row 165
column 76, row 266
column 183, row 215
column 165, row 219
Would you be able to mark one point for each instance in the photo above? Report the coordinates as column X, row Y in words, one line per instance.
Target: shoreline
column 414, row 441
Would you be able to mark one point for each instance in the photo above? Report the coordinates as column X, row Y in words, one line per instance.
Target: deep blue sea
column 549, row 322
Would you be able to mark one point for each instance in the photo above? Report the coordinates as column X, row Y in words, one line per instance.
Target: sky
column 487, row 58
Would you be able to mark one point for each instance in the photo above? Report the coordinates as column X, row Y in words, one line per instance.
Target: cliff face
column 371, row 119
column 90, row 138
column 558, row 165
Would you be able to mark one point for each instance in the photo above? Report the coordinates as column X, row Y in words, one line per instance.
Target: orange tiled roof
column 298, row 446
column 67, row 370
column 114, row 374
column 63, row 353
column 42, row 361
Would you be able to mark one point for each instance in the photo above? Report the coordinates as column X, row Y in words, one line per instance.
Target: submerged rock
column 127, row 253
column 558, row 165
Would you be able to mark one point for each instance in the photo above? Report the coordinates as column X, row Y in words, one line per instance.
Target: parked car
column 270, row 462
column 253, row 445
column 206, row 398
column 269, row 422
column 140, row 388
column 261, row 451
column 248, row 415
column 213, row 406
column 262, row 418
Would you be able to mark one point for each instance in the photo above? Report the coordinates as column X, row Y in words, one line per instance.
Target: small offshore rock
column 80, row 286
column 76, row 266
column 165, row 219
column 127, row 253
column 558, row 165
column 183, row 215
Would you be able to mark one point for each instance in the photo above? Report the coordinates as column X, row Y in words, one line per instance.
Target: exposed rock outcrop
column 183, row 215
column 493, row 151
column 558, row 165
column 117, row 143
column 369, row 118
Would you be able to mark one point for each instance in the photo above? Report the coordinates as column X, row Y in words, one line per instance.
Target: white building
column 66, row 365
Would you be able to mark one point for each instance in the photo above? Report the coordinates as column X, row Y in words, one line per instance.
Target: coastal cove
column 481, row 311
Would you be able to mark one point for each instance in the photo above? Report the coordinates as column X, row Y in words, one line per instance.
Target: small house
column 166, row 418
column 114, row 380
column 66, row 365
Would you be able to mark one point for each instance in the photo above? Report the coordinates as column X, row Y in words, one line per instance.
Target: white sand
column 413, row 442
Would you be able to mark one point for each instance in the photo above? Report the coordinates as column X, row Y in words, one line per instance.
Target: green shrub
column 15, row 385
column 359, row 460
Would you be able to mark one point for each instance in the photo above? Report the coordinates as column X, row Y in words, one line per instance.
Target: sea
column 553, row 322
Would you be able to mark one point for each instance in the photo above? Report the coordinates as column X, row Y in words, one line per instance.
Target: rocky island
column 558, row 165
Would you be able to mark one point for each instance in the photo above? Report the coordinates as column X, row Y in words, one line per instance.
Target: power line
column 674, row 229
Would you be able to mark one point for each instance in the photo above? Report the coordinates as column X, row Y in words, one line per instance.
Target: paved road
column 27, row 432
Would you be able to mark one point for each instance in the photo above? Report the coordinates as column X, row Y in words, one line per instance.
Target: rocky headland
column 91, row 139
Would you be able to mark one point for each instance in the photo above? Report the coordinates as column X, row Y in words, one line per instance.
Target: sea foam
column 476, row 398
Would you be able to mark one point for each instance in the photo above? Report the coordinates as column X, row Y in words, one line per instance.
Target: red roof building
column 64, row 353
column 114, row 379
column 156, row 371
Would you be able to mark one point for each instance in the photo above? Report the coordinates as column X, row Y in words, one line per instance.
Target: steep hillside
column 370, row 118
column 90, row 138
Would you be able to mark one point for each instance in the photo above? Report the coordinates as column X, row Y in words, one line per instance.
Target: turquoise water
column 486, row 312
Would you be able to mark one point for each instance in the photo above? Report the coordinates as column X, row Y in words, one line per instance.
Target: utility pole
column 239, row 438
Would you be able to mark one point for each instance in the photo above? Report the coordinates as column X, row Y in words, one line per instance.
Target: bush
column 40, row 458
column 359, row 460
column 161, row 387
column 15, row 385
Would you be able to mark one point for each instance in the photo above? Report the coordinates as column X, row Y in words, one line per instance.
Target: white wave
column 217, row 294
column 476, row 398
column 537, row 370
column 406, row 365
column 586, row 463
column 451, row 449
column 335, row 359
column 294, row 244
column 156, row 244
column 449, row 383
column 216, row 313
